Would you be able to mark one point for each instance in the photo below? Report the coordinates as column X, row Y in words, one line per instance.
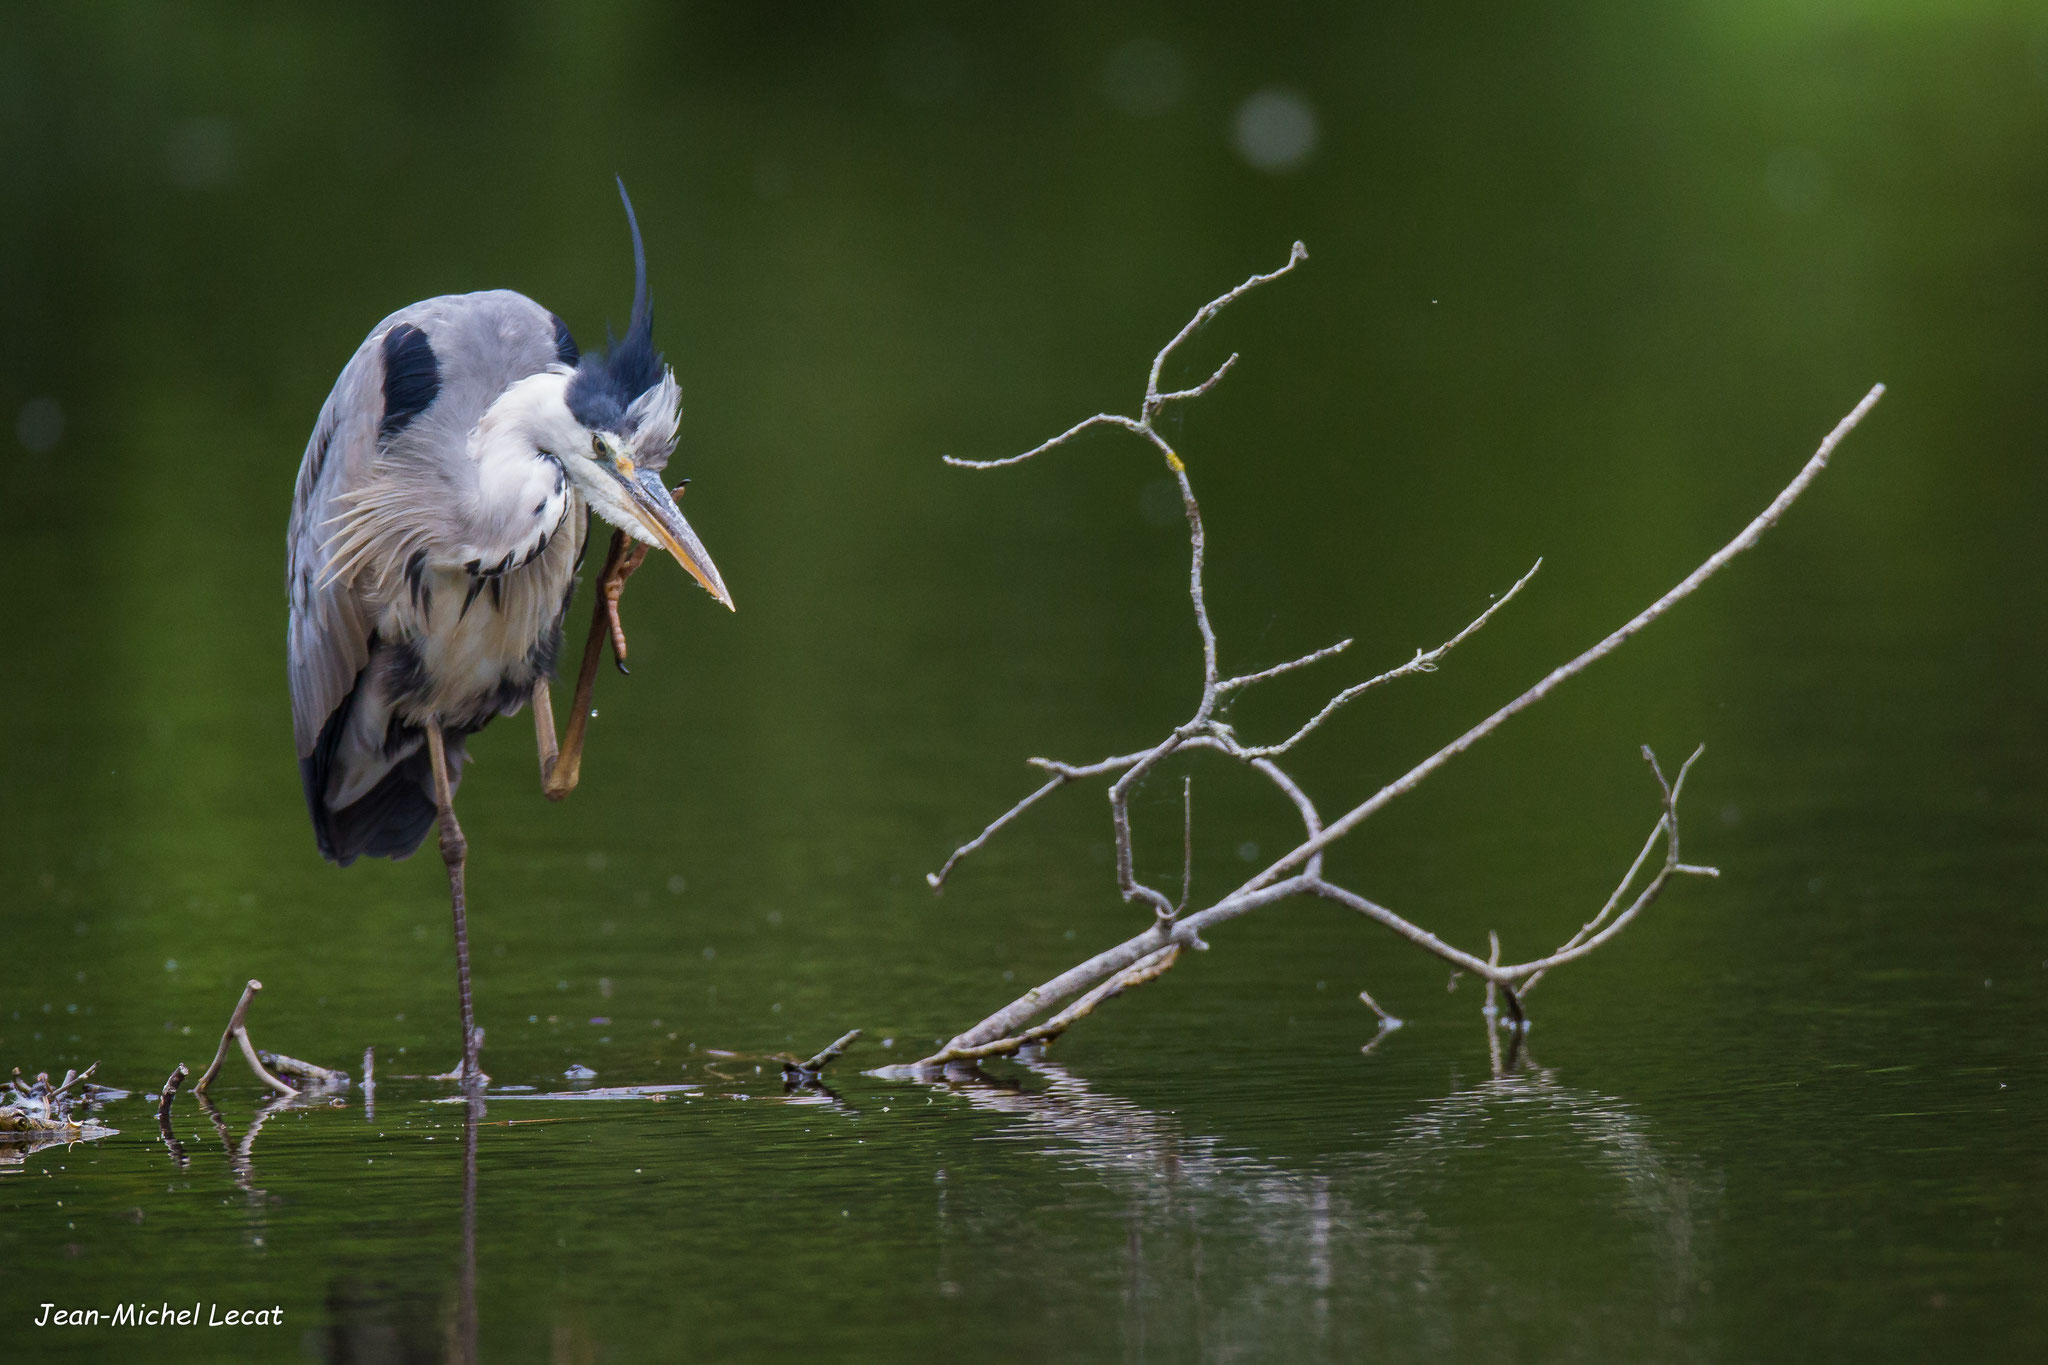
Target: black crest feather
column 605, row 385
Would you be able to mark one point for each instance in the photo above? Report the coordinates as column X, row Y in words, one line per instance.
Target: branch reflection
column 1431, row 1240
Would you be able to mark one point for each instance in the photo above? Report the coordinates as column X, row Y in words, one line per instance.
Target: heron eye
column 597, row 446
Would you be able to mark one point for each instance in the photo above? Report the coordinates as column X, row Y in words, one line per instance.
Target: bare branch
column 1144, row 955
column 1592, row 925
column 937, row 880
column 1415, row 776
column 1421, row 663
column 169, row 1093
column 1100, row 419
column 72, row 1078
column 1657, row 831
column 1311, row 822
column 1414, row 933
column 1076, row 771
column 1488, row 1011
column 1187, row 843
column 163, row 1112
column 1063, row 773
column 832, row 1051
column 1585, row 942
column 1148, row 968
column 237, row 1032
column 1198, row 390
column 1120, row 822
column 1153, row 398
column 1387, row 1021
column 1229, row 685
column 1185, row 931
column 227, row 1036
column 1211, row 691
column 809, row 1073
column 1589, row 938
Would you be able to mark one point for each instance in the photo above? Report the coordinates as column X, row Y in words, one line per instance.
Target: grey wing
column 453, row 356
column 328, row 640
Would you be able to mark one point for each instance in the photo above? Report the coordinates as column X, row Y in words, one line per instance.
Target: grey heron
column 437, row 527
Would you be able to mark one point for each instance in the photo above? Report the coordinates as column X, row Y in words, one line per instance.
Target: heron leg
column 612, row 586
column 544, row 731
column 455, row 853
column 560, row 768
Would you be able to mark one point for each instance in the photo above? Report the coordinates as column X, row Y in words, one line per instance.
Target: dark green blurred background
column 1587, row 281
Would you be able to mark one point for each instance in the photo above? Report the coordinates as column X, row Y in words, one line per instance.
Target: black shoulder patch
column 412, row 378
column 565, row 345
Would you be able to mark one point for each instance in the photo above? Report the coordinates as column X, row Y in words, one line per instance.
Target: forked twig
column 237, row 1032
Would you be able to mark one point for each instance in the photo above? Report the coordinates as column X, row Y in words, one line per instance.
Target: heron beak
column 658, row 512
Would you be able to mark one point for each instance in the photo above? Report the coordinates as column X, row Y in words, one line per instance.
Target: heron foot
column 613, row 586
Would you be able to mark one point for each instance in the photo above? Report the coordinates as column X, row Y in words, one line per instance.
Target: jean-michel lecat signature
column 160, row 1315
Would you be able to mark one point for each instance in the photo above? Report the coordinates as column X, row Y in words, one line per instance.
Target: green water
column 1587, row 282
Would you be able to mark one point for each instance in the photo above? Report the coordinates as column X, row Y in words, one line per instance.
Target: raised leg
column 611, row 586
column 455, row 852
column 560, row 768
column 544, row 731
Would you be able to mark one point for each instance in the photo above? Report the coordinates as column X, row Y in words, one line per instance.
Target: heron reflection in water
column 438, row 524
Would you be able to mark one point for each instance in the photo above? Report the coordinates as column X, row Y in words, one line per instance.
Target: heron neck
column 522, row 493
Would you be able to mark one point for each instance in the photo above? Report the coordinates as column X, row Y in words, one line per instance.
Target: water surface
column 1587, row 285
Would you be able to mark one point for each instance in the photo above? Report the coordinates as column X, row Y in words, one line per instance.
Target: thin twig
column 1512, row 976
column 1229, row 685
column 1592, row 925
column 1657, row 832
column 1120, row 825
column 1488, row 1011
column 1421, row 663
column 1154, row 399
column 831, row 1053
column 1387, row 1021
column 1187, row 842
column 1100, row 419
column 72, row 1078
column 937, row 880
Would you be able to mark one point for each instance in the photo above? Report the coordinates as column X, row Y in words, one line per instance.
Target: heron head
column 626, row 404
